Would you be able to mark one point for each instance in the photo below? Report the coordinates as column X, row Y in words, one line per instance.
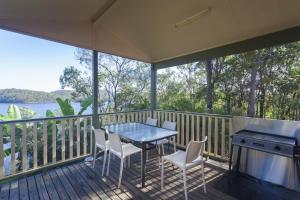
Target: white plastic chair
column 160, row 143
column 151, row 122
column 120, row 150
column 186, row 160
column 101, row 143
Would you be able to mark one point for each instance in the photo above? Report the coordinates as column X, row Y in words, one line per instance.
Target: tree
column 213, row 68
column 79, row 81
column 123, row 83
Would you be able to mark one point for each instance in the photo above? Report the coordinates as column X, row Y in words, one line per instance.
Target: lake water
column 41, row 108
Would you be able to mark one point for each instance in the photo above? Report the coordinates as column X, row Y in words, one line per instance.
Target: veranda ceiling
column 145, row 29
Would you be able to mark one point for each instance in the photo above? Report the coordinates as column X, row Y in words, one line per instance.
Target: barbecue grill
column 265, row 142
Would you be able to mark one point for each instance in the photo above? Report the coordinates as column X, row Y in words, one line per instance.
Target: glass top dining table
column 140, row 133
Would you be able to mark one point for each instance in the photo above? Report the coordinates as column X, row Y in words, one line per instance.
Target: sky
column 31, row 63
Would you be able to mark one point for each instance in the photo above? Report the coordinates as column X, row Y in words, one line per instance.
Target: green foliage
column 80, row 82
column 277, row 84
column 65, row 107
column 13, row 112
column 85, row 104
column 125, row 84
column 27, row 113
column 16, row 113
column 49, row 113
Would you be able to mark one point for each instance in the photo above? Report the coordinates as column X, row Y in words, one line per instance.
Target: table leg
column 143, row 163
column 238, row 159
column 230, row 157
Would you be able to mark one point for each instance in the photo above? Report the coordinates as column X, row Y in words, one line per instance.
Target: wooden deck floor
column 79, row 181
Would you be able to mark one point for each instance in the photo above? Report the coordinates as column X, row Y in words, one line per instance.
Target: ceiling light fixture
column 192, row 18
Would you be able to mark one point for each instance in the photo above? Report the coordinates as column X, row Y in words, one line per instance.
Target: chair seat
column 178, row 158
column 102, row 147
column 163, row 141
column 128, row 149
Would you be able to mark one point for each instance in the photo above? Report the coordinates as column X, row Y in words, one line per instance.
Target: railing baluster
column 178, row 128
column 13, row 149
column 118, row 118
column 71, row 145
column 91, row 135
column 132, row 117
column 126, row 117
column 209, row 135
column 140, row 117
column 223, row 139
column 144, row 116
column 229, row 134
column 1, row 153
column 78, row 137
column 216, row 139
column 158, row 118
column 63, row 147
column 24, row 147
column 45, row 144
column 84, row 136
column 203, row 127
column 182, row 130
column 187, row 129
column 193, row 127
column 198, row 128
column 53, row 141
column 35, row 149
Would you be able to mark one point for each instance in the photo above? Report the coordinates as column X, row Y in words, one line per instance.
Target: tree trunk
column 240, row 96
column 209, row 71
column 252, row 96
column 228, row 105
column 262, row 102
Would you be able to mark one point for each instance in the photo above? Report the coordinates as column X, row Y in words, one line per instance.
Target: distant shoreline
column 30, row 96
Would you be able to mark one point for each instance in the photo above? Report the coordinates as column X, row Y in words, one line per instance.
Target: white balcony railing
column 41, row 143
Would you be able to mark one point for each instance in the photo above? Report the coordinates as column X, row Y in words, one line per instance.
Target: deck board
column 58, row 186
column 32, row 188
column 14, row 190
column 80, row 181
column 4, row 191
column 68, row 187
column 50, row 187
column 23, row 189
column 41, row 187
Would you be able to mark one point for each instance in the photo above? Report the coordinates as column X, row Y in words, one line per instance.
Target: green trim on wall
column 272, row 39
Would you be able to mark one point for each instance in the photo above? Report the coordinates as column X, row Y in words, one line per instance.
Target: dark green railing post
column 153, row 88
column 95, row 89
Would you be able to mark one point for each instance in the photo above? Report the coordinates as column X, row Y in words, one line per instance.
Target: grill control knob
column 243, row 141
column 277, row 148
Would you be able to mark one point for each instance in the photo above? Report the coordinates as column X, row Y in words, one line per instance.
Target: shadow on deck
column 79, row 181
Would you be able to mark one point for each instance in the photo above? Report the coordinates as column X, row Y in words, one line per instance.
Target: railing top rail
column 100, row 114
column 195, row 113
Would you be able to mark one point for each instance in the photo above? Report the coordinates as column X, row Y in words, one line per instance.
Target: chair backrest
column 169, row 125
column 100, row 137
column 115, row 144
column 195, row 149
column 151, row 122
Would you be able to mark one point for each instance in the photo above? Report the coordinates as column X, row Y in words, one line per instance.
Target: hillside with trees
column 263, row 83
column 30, row 96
